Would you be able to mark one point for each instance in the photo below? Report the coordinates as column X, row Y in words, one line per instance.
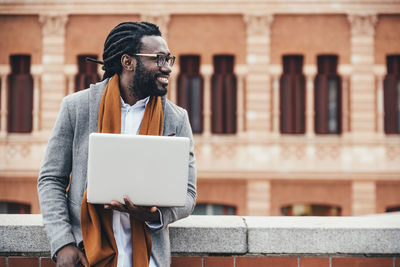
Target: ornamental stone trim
column 53, row 24
column 363, row 24
column 258, row 24
column 199, row 7
column 161, row 20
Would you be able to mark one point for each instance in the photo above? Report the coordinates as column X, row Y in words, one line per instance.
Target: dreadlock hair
column 125, row 38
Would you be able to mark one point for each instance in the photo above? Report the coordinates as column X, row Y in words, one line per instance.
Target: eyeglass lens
column 166, row 59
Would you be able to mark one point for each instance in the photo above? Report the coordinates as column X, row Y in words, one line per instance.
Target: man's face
column 149, row 79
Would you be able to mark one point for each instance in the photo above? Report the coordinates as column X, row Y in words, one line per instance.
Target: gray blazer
column 67, row 156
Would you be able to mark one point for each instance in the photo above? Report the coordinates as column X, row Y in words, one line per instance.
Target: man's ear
column 128, row 63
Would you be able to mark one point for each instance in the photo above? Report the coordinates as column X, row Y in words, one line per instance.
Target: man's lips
column 163, row 79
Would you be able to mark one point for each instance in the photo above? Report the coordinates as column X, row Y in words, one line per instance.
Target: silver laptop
column 150, row 170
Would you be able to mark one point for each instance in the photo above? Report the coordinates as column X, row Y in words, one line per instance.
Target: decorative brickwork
column 53, row 80
column 258, row 92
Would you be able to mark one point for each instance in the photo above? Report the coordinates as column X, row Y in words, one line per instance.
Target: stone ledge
column 209, row 234
column 364, row 235
column 376, row 235
column 23, row 235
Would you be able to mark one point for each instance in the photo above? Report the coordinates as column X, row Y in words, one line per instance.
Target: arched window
column 392, row 95
column 327, row 96
column 14, row 208
column 292, row 95
column 301, row 209
column 393, row 208
column 214, row 209
column 223, row 93
column 87, row 73
column 190, row 90
column 20, row 95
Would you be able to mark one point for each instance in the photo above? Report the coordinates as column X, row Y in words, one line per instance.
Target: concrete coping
column 376, row 235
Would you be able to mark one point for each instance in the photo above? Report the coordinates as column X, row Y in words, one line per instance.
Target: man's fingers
column 132, row 207
column 140, row 212
column 83, row 259
column 129, row 204
column 118, row 206
column 153, row 209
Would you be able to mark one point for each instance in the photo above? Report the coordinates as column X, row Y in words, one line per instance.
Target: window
column 327, row 96
column 14, row 208
column 214, row 209
column 1, row 89
column 87, row 73
column 292, row 96
column 311, row 210
column 190, row 90
column 223, row 93
column 392, row 95
column 393, row 208
column 20, row 95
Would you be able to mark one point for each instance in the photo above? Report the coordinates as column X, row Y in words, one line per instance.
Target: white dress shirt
column 131, row 118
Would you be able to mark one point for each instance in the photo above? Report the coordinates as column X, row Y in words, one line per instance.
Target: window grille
column 20, row 95
column 87, row 73
column 214, row 209
column 190, row 90
column 14, row 208
column 223, row 94
column 292, row 96
column 300, row 209
column 327, row 96
column 392, row 95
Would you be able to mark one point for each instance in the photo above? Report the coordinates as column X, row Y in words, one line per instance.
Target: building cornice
column 28, row 7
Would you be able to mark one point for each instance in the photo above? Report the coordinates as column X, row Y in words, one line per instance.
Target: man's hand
column 70, row 256
column 148, row 214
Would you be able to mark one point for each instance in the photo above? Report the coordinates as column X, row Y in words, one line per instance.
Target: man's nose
column 166, row 68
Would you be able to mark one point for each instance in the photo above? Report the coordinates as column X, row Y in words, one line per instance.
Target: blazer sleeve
column 53, row 181
column 171, row 214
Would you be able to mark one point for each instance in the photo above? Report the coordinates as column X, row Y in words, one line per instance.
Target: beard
column 144, row 83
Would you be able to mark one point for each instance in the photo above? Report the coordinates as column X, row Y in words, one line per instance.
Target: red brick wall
column 20, row 35
column 208, row 35
column 311, row 192
column 224, row 192
column 248, row 261
column 387, row 195
column 387, row 37
column 301, row 34
column 237, row 261
column 22, row 190
column 85, row 37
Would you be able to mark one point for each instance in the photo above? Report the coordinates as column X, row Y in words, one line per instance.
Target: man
column 130, row 99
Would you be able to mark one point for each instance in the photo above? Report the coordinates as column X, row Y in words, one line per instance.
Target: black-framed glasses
column 161, row 59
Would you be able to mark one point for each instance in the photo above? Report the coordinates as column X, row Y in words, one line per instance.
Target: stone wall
column 241, row 241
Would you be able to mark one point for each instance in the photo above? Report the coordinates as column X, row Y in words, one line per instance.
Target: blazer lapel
column 95, row 93
column 163, row 104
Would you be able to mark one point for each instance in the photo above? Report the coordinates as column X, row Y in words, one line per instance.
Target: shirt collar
column 140, row 103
